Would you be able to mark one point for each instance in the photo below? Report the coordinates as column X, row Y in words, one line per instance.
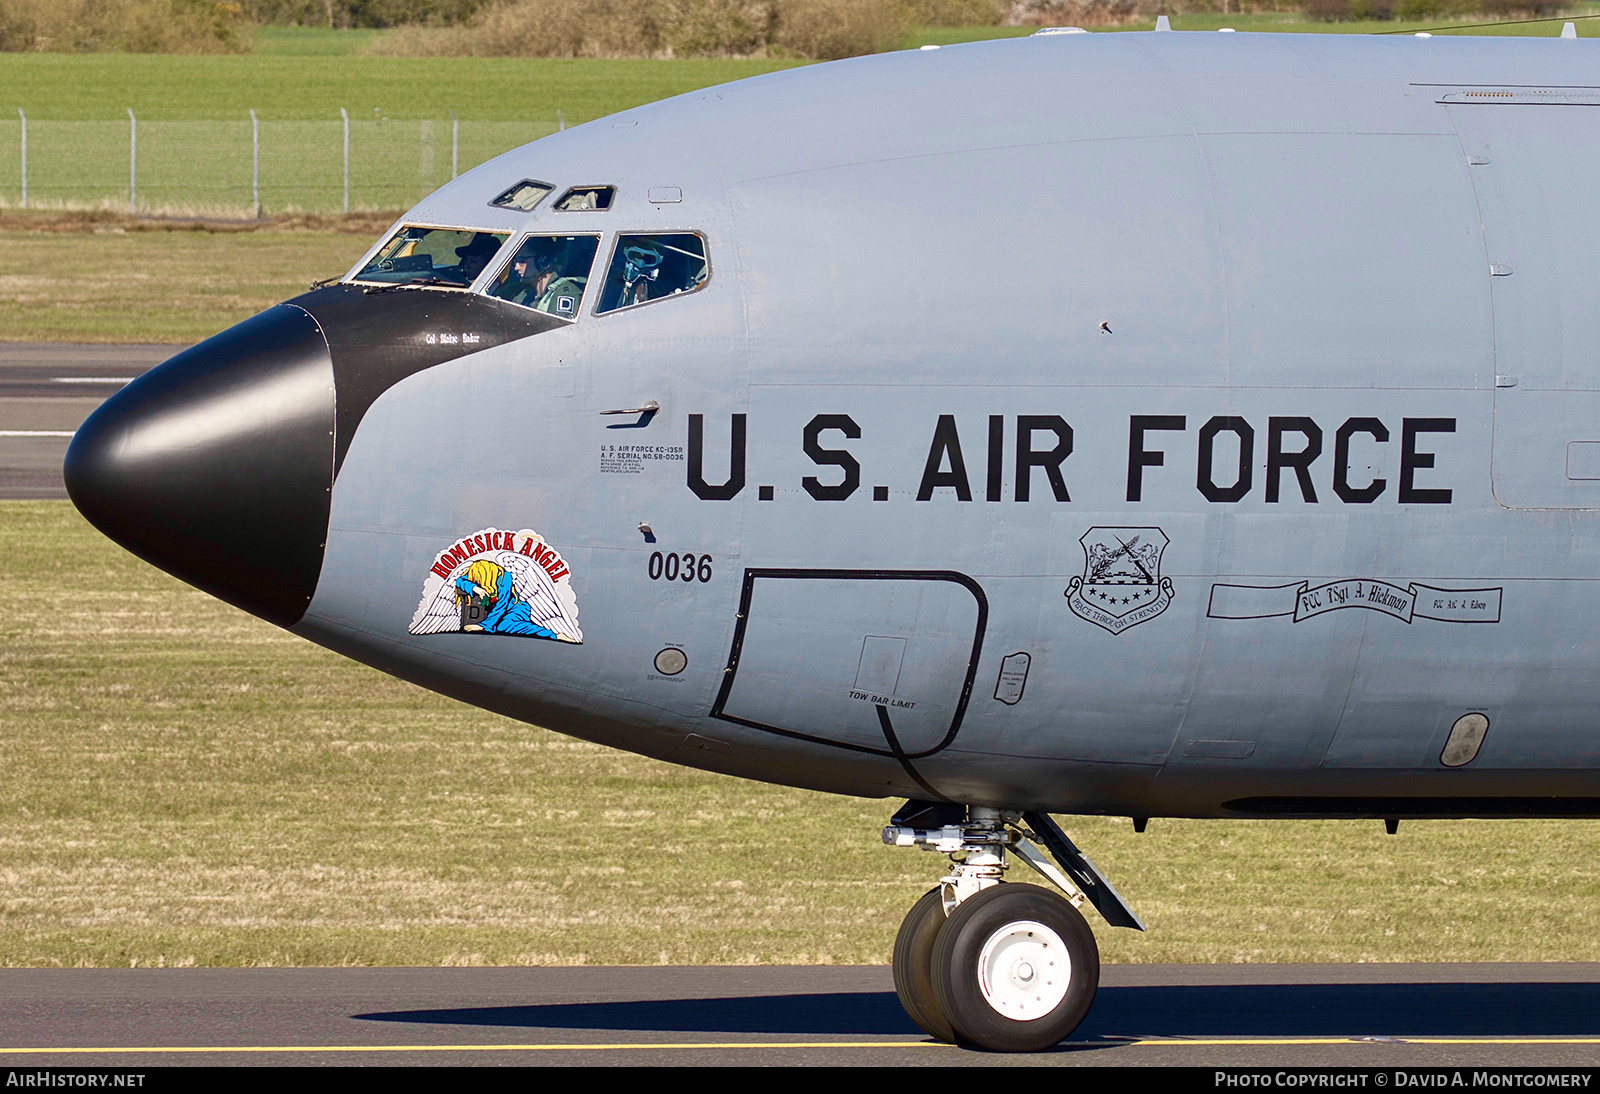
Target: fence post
column 24, row 118
column 424, row 158
column 133, row 163
column 343, row 113
column 255, row 166
column 455, row 143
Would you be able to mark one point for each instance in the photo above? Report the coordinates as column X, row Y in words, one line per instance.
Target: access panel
column 1532, row 154
column 874, row 661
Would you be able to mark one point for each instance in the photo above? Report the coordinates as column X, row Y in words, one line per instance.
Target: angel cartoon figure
column 491, row 587
column 504, row 592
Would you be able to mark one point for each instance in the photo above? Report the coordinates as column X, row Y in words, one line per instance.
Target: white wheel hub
column 1024, row 970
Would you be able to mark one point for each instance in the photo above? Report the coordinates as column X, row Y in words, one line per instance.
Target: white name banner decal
column 1302, row 601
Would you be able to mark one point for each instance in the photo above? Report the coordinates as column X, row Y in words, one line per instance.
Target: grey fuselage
column 1147, row 424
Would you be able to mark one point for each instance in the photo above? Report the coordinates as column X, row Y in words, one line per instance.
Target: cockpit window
column 449, row 258
column 649, row 267
column 523, row 196
column 548, row 274
column 590, row 198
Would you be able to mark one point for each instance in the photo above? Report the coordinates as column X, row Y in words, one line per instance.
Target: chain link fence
column 244, row 168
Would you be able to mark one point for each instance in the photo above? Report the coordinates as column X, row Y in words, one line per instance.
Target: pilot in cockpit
column 548, row 274
column 474, row 255
column 641, row 269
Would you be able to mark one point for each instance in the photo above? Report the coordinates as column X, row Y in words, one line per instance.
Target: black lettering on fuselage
column 1139, row 457
column 1300, row 462
column 997, row 455
column 1204, row 477
column 836, row 457
column 1411, row 459
column 696, row 461
column 945, row 466
column 1028, row 459
column 946, row 446
column 1367, row 494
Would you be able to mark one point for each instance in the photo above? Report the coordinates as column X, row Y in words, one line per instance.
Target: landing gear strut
column 981, row 962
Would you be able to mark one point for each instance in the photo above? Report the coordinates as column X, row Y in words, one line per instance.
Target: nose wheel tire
column 1014, row 969
column 913, row 966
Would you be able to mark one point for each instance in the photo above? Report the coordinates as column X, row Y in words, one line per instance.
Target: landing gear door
column 873, row 661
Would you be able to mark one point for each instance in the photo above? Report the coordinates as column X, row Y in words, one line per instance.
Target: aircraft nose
column 217, row 466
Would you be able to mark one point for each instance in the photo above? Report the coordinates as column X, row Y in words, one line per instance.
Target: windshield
column 444, row 257
column 580, row 198
column 548, row 274
column 651, row 267
column 524, row 195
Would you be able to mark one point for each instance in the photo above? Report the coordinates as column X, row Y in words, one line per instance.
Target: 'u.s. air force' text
column 976, row 458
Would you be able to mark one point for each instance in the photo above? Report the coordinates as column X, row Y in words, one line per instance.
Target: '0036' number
column 675, row 567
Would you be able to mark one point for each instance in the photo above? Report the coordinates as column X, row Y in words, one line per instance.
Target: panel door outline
column 891, row 747
column 1540, row 237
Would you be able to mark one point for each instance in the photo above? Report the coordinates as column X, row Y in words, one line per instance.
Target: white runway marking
column 36, row 432
column 91, row 379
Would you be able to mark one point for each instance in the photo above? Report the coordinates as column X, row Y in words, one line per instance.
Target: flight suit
column 562, row 297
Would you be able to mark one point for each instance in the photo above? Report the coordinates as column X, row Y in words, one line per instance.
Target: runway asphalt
column 48, row 389
column 1387, row 1016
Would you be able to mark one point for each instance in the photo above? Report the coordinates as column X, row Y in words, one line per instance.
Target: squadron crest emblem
column 1121, row 585
column 499, row 582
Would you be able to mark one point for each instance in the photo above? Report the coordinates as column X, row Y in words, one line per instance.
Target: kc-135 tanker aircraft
column 1153, row 425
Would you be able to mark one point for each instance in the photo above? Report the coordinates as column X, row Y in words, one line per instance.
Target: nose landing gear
column 1014, row 969
column 994, row 965
column 913, row 966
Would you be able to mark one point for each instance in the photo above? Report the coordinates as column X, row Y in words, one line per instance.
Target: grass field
column 413, row 123
column 312, row 41
column 308, row 74
column 98, row 281
column 185, row 785
column 194, row 138
column 102, row 86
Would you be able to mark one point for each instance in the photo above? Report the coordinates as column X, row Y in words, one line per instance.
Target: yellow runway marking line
column 133, row 1049
column 1213, row 1042
column 1206, row 1042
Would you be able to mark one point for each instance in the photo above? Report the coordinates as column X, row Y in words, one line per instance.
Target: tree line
column 816, row 29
